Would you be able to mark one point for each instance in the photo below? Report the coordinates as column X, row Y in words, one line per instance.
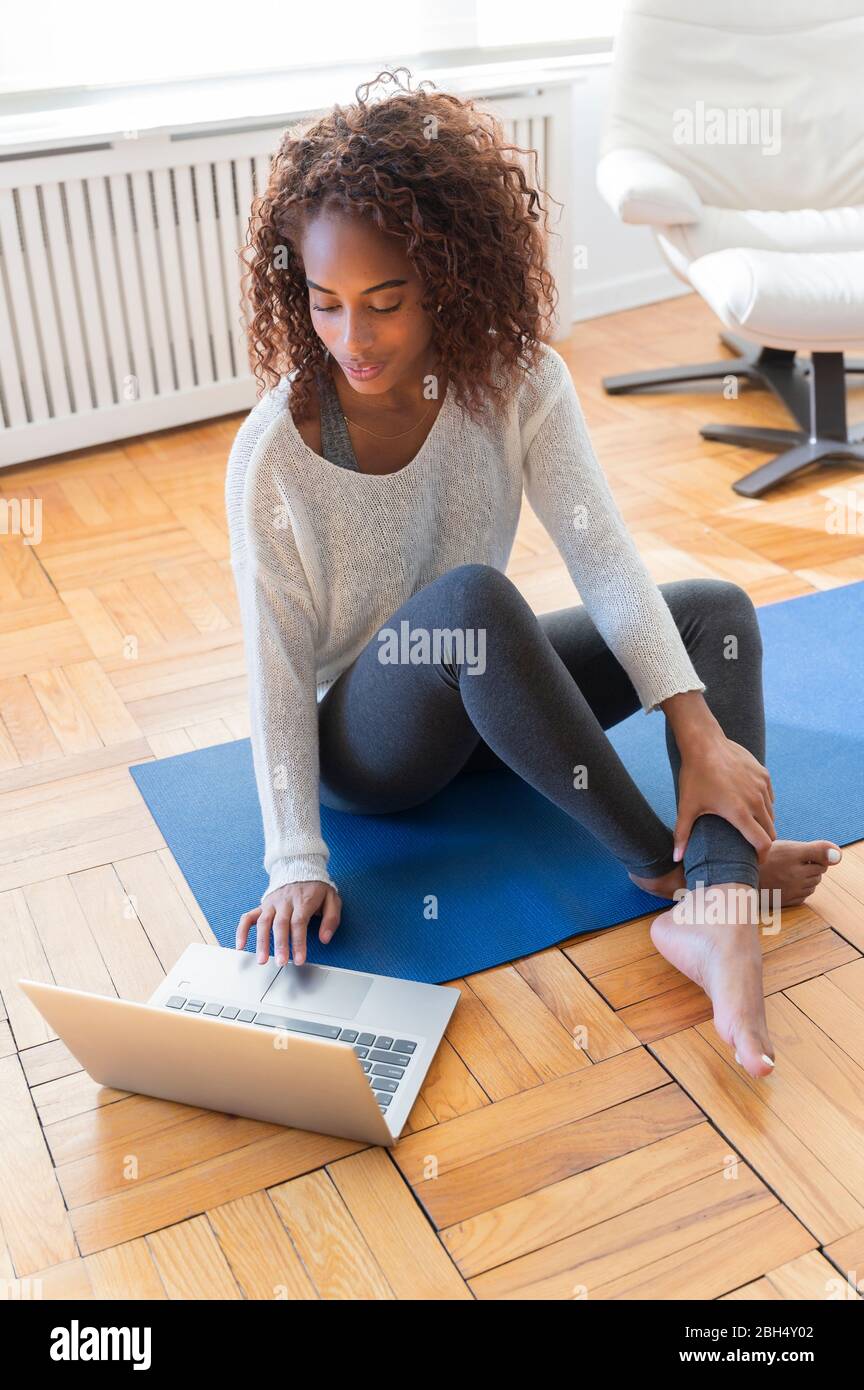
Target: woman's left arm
column 568, row 490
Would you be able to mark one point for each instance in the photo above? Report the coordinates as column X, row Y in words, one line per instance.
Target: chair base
column 813, row 391
column 779, row 370
column 825, row 438
column 803, row 452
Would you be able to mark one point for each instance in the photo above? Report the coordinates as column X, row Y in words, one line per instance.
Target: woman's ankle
column 663, row 885
column 718, row 905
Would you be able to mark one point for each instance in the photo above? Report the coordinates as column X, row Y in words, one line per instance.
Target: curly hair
column 433, row 169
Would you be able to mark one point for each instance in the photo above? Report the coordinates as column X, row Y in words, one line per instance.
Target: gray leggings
column 392, row 735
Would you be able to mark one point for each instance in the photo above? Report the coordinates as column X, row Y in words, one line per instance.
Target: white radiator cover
column 120, row 302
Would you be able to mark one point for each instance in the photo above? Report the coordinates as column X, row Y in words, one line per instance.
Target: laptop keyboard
column 382, row 1057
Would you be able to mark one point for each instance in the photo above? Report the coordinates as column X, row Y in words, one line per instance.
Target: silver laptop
column 342, row 1052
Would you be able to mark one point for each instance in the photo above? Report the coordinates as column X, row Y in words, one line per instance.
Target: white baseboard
column 33, row 443
column 625, row 292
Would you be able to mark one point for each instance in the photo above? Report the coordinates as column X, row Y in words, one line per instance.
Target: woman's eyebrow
column 385, row 285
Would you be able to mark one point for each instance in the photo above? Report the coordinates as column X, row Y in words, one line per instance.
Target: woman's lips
column 363, row 373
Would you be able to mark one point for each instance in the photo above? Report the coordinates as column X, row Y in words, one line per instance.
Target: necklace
column 375, row 433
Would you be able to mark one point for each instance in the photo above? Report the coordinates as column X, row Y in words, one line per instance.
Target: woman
column 400, row 297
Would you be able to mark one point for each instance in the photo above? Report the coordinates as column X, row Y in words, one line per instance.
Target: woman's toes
column 753, row 1051
column 795, row 867
column 824, row 853
column 806, row 889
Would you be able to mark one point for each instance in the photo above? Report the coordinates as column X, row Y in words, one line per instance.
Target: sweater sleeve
column 568, row 490
column 279, row 633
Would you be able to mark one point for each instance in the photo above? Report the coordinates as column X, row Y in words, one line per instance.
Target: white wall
column 624, row 266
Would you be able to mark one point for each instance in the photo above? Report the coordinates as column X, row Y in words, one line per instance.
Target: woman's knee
column 720, row 602
column 735, row 611
column 474, row 576
column 476, row 590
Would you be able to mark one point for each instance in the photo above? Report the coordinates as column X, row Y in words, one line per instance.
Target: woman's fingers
column 331, row 915
column 288, row 917
column 262, row 935
column 757, row 835
column 761, row 812
column 299, row 922
column 753, row 809
column 243, row 926
column 769, row 812
column 282, row 933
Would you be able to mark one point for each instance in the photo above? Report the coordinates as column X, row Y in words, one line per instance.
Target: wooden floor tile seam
column 751, row 1163
column 692, row 1250
column 716, row 1126
column 123, row 896
column 425, row 1215
column 564, row 1182
column 278, row 1215
column 844, row 1273
column 38, row 1118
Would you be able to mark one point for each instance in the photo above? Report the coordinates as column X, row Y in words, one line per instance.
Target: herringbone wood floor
column 649, row 1165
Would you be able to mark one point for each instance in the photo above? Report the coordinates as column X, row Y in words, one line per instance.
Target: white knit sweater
column 323, row 556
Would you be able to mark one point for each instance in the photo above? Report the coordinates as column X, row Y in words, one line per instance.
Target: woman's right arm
column 279, row 627
column 279, row 624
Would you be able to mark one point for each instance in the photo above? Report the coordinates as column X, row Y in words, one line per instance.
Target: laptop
column 341, row 1052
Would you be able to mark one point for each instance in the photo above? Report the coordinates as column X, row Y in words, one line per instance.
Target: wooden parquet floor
column 646, row 1165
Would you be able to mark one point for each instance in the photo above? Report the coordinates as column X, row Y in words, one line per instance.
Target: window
column 519, row 21
column 98, row 43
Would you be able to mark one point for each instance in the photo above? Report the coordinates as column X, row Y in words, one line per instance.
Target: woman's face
column 364, row 300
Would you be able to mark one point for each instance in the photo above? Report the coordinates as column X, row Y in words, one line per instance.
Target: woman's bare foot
column 723, row 958
column 794, row 867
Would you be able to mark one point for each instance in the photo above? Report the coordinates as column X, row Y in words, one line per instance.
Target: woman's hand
column 287, row 910
column 721, row 778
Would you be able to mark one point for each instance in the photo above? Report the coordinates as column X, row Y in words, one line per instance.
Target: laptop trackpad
column 319, row 990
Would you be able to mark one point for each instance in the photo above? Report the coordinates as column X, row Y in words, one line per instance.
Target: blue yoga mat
column 489, row 870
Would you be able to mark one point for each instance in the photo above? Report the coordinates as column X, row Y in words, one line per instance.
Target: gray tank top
column 336, row 444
